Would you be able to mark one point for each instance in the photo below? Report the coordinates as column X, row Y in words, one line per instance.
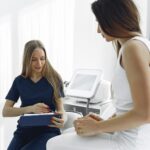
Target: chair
column 71, row 117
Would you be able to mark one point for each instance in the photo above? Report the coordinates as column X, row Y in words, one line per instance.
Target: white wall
column 143, row 9
column 148, row 19
column 90, row 49
column 10, row 9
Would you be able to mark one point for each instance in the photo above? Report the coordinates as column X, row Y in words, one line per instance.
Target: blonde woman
column 118, row 22
column 40, row 89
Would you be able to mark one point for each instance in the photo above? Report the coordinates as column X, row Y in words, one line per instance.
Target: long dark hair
column 48, row 71
column 117, row 18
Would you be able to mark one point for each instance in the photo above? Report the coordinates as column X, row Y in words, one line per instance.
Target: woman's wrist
column 98, row 130
column 27, row 110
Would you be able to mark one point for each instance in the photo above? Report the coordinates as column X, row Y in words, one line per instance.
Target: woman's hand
column 94, row 116
column 58, row 122
column 39, row 108
column 88, row 125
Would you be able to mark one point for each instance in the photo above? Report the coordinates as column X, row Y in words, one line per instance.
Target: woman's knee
column 16, row 144
column 39, row 143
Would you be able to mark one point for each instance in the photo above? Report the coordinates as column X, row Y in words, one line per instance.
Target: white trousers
column 71, row 141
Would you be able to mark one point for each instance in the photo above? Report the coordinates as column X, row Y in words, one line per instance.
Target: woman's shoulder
column 136, row 45
column 19, row 78
column 136, row 52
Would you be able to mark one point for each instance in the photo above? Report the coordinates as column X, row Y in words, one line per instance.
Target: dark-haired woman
column 118, row 21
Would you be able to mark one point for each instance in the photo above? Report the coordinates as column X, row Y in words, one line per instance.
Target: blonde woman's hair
column 48, row 71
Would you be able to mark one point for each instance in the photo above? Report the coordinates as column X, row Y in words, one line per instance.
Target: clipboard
column 29, row 120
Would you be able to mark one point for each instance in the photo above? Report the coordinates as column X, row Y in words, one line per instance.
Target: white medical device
column 84, row 83
column 88, row 84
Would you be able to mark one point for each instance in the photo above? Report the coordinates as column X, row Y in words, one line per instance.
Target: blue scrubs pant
column 38, row 143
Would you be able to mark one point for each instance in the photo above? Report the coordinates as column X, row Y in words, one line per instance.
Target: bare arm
column 60, row 106
column 136, row 60
column 10, row 111
column 59, row 123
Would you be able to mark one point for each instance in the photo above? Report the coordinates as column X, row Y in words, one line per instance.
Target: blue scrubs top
column 31, row 93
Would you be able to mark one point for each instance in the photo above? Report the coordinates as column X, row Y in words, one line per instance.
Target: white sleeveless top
column 140, row 136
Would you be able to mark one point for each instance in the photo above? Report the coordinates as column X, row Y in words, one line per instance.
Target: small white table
column 74, row 105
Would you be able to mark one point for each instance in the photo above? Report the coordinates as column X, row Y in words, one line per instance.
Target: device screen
column 83, row 82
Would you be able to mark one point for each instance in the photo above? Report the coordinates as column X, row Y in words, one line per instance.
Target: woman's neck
column 36, row 76
column 122, row 41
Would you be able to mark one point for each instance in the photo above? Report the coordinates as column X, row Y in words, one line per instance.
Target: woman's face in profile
column 107, row 37
column 37, row 60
